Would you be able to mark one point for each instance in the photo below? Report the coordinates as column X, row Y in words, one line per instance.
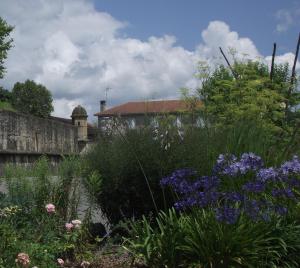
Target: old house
column 138, row 113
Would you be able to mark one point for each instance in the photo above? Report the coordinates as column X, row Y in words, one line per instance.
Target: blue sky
column 186, row 19
column 141, row 49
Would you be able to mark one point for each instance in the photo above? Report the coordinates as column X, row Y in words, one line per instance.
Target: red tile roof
column 148, row 107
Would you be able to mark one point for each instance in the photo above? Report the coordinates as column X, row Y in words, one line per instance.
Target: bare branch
column 272, row 64
column 230, row 67
column 295, row 62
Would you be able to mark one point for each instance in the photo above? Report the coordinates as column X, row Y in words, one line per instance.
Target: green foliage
column 124, row 162
column 25, row 225
column 196, row 239
column 252, row 96
column 5, row 99
column 32, row 98
column 67, row 186
column 5, row 43
column 5, row 95
column 6, row 106
column 160, row 246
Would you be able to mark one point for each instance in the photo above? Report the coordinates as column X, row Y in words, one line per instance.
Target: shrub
column 197, row 239
column 36, row 214
column 243, row 215
column 160, row 246
column 127, row 162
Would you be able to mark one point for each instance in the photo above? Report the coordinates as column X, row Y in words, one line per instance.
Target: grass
column 6, row 106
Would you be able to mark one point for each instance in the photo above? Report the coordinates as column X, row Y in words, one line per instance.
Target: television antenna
column 106, row 91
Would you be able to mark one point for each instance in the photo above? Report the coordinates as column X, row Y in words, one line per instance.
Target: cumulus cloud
column 77, row 52
column 218, row 34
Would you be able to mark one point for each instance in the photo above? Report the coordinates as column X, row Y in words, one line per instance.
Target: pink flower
column 50, row 208
column 23, row 259
column 60, row 262
column 76, row 223
column 85, row 264
column 69, row 226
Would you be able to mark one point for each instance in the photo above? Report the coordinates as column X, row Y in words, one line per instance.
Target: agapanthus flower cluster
column 238, row 185
column 230, row 165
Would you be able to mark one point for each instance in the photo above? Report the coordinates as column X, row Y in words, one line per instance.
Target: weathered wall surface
column 25, row 134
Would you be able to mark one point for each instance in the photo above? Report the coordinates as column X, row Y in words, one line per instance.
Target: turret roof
column 79, row 111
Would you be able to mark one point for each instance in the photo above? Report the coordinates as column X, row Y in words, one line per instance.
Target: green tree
column 5, row 43
column 247, row 93
column 32, row 98
column 5, row 95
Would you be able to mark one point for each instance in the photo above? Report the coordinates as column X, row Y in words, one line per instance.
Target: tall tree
column 5, row 95
column 32, row 98
column 250, row 95
column 5, row 43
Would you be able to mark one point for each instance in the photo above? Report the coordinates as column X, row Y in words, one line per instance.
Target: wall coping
column 36, row 117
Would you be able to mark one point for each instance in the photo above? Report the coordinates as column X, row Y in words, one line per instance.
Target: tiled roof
column 60, row 119
column 68, row 121
column 146, row 107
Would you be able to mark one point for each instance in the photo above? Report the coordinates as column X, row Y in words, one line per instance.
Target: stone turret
column 79, row 119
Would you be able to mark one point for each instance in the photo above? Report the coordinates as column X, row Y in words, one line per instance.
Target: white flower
column 76, row 223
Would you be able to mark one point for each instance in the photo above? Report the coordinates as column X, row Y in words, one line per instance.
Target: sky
column 139, row 49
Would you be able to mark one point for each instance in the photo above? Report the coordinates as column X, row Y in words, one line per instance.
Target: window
column 131, row 123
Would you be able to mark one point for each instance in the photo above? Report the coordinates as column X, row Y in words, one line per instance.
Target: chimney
column 102, row 105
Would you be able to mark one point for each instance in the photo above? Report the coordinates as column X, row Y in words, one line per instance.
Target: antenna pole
column 106, row 91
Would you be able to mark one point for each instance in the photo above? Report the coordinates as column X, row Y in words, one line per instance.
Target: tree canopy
column 5, row 95
column 5, row 43
column 246, row 92
column 32, row 98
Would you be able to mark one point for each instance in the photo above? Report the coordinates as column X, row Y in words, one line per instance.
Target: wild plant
column 154, row 152
column 244, row 214
column 33, row 225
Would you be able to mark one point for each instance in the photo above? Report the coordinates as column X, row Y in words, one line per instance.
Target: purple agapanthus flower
column 227, row 214
column 254, row 187
column 292, row 166
column 273, row 188
column 231, row 166
column 285, row 193
column 280, row 210
column 267, row 174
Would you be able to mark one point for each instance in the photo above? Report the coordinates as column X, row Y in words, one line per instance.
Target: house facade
column 139, row 113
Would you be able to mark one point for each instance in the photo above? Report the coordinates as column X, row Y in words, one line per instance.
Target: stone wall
column 26, row 134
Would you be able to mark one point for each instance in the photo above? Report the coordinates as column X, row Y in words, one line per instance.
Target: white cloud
column 287, row 18
column 60, row 54
column 285, row 58
column 65, row 106
column 218, row 34
column 77, row 51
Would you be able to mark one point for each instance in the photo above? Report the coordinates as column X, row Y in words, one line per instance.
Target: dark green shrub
column 129, row 161
column 5, row 95
column 197, row 239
